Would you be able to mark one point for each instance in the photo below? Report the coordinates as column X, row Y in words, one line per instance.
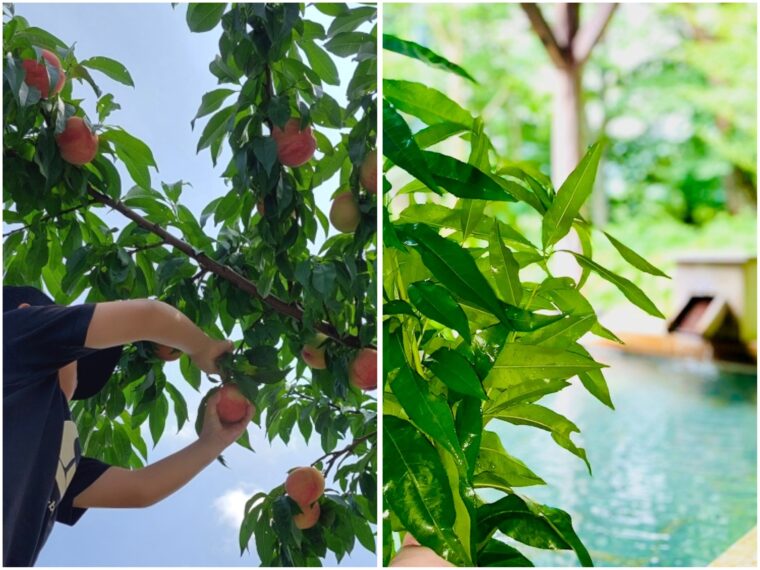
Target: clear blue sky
column 197, row 526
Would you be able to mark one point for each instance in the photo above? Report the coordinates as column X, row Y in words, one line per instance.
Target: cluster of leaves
column 477, row 329
column 274, row 63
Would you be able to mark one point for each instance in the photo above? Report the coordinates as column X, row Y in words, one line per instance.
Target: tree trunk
column 567, row 118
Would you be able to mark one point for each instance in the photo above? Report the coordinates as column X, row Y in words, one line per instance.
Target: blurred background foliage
column 671, row 86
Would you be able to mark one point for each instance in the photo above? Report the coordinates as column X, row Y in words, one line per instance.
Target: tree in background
column 681, row 123
column 253, row 278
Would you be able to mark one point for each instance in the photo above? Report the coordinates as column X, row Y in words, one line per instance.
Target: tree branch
column 206, row 263
column 591, row 32
column 334, row 455
column 545, row 34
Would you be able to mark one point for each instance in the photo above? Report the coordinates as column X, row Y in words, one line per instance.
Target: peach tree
column 478, row 327
column 260, row 265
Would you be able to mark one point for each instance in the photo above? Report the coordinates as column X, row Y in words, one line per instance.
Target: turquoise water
column 674, row 480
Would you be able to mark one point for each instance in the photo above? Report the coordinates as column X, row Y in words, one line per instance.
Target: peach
column 308, row 518
column 368, row 172
column 77, row 143
column 362, row 372
column 37, row 74
column 305, row 485
column 344, row 213
column 294, row 146
column 166, row 353
column 232, row 405
column 313, row 353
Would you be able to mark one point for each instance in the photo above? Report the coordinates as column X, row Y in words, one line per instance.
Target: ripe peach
column 362, row 372
column 37, row 74
column 294, row 147
column 77, row 143
column 305, row 485
column 232, row 405
column 308, row 518
column 344, row 213
column 368, row 172
column 166, row 353
column 313, row 353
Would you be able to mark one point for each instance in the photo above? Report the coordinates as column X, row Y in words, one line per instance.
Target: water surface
column 674, row 480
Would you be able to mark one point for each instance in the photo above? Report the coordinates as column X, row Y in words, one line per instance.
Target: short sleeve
column 88, row 471
column 42, row 339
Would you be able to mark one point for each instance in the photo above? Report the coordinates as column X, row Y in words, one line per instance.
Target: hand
column 216, row 433
column 412, row 554
column 205, row 358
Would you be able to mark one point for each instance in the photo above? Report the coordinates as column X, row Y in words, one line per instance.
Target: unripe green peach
column 344, row 213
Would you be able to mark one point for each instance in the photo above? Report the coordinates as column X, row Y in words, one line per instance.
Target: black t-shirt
column 43, row 470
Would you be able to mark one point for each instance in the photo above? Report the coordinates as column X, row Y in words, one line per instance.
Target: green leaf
column 563, row 333
column 109, row 67
column 497, row 469
column 570, row 197
column 634, row 258
column 470, row 213
column 464, row 180
column 548, row 420
column 351, row 19
column 435, row 302
column 428, row 411
column 204, row 17
column 157, row 419
column 453, row 265
column 210, row 102
column 496, row 554
column 532, row 524
column 455, row 371
column 135, row 154
column 349, row 43
column 400, row 147
column 525, row 392
column 416, row 489
column 180, row 406
column 217, row 127
column 427, row 104
column 436, row 133
column 469, row 424
column 519, row 363
column 629, row 289
column 321, row 62
column 423, row 54
column 505, row 268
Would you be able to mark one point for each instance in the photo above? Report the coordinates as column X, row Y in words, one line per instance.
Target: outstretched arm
column 121, row 322
column 120, row 487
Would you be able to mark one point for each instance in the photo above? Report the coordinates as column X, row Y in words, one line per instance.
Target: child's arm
column 119, row 487
column 121, row 322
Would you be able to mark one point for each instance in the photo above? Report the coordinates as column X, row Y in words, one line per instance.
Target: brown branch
column 46, row 218
column 545, row 34
column 206, row 263
column 334, row 455
column 591, row 32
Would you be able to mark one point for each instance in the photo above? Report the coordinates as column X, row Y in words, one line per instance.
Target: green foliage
column 272, row 64
column 477, row 329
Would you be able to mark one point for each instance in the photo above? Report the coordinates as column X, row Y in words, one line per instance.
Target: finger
column 230, row 346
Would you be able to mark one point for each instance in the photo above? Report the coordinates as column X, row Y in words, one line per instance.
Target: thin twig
column 334, row 455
